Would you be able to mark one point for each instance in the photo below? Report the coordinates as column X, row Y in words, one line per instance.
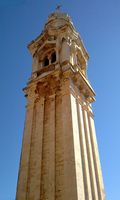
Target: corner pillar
column 90, row 156
column 25, row 154
column 98, row 171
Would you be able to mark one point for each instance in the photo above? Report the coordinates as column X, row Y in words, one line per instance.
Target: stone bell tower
column 60, row 158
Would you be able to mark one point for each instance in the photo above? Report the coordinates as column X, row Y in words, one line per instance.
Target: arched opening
column 53, row 57
column 46, row 61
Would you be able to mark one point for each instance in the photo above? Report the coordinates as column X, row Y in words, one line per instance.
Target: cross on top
column 58, row 7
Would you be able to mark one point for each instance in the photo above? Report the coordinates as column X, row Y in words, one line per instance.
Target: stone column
column 48, row 154
column 98, row 171
column 90, row 156
column 36, row 152
column 25, row 154
column 86, row 174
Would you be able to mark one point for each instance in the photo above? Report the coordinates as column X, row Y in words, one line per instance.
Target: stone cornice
column 51, row 79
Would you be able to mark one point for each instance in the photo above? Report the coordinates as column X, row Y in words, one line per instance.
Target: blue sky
column 99, row 25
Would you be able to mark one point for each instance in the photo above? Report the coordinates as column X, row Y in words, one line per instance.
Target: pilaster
column 48, row 154
column 90, row 157
column 25, row 154
column 97, row 164
column 77, row 150
column 70, row 184
column 35, row 163
column 86, row 173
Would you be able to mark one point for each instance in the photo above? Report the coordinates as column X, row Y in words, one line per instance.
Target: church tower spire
column 59, row 159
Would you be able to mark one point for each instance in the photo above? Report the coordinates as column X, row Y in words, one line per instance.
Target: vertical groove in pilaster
column 97, row 165
column 42, row 156
column 87, row 183
column 90, row 157
column 48, row 156
column 42, row 188
column 41, row 140
column 59, row 151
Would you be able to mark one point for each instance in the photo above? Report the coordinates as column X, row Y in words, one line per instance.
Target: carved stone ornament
column 31, row 94
column 48, row 87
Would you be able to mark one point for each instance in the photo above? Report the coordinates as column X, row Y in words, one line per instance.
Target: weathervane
column 58, row 8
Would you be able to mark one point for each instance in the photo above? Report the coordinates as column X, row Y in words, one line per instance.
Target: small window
column 53, row 57
column 46, row 61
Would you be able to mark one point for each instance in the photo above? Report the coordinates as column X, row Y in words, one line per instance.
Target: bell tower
column 59, row 158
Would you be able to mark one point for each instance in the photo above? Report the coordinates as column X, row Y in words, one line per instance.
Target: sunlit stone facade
column 59, row 159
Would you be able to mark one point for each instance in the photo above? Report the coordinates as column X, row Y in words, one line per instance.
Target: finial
column 58, row 8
